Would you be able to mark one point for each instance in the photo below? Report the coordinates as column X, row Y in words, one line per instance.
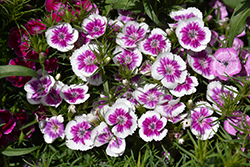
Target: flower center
column 152, row 126
column 192, row 34
column 89, row 60
column 121, row 119
column 169, row 69
column 74, row 94
column 96, row 29
column 152, row 97
column 61, row 36
column 225, row 63
column 154, row 43
column 80, row 132
column 54, row 128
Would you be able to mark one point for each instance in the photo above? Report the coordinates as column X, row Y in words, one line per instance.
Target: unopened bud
column 190, row 104
column 106, row 60
column 186, row 123
column 181, row 141
column 169, row 31
column 72, row 109
column 125, row 82
column 58, row 76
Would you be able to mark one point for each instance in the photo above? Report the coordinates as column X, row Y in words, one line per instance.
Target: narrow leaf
column 150, row 12
column 238, row 20
column 16, row 70
column 232, row 3
column 18, row 151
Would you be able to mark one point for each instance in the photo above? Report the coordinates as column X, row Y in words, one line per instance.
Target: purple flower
column 214, row 37
column 132, row 33
column 186, row 88
column 94, row 25
column 74, row 94
column 62, row 37
column 38, row 88
column 53, row 98
column 170, row 69
column 122, row 117
column 7, row 122
column 185, row 14
column 148, row 96
column 216, row 93
column 226, row 62
column 203, row 125
column 83, row 61
column 152, row 126
column 193, row 35
column 78, row 134
column 200, row 62
column 156, row 43
column 218, row 6
column 101, row 134
column 130, row 58
column 53, row 128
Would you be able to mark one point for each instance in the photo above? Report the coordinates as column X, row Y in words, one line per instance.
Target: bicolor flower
column 148, row 96
column 94, row 25
column 37, row 88
column 156, row 43
column 35, row 26
column 216, row 92
column 74, row 94
column 122, row 117
column 171, row 108
column 152, row 126
column 145, row 68
column 203, row 125
column 132, row 33
column 95, row 80
column 186, row 88
column 78, row 134
column 130, row 58
column 170, row 69
column 184, row 14
column 116, row 147
column 200, row 62
column 193, row 35
column 53, row 128
column 83, row 61
column 53, row 98
column 226, row 62
column 62, row 37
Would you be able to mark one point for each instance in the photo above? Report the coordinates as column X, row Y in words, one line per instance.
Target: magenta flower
column 37, row 88
column 74, row 94
column 132, row 33
column 53, row 128
column 218, row 6
column 185, row 14
column 193, row 35
column 148, row 96
column 214, row 37
column 216, row 92
column 226, row 62
column 62, row 37
column 203, row 125
column 35, row 26
column 116, row 147
column 186, row 88
column 7, row 122
column 170, row 69
column 131, row 58
column 51, row 64
column 122, row 117
column 145, row 68
column 156, row 43
column 78, row 134
column 94, row 25
column 152, row 126
column 83, row 61
column 200, row 62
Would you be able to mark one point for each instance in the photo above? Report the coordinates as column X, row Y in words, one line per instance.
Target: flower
column 156, row 43
column 148, row 96
column 152, row 126
column 53, row 128
column 116, row 147
column 78, row 134
column 62, row 37
column 7, row 122
column 74, row 94
column 122, row 117
column 226, row 62
column 94, row 25
column 83, row 61
column 200, row 62
column 131, row 58
column 35, row 26
column 132, row 33
column 203, row 125
column 170, row 69
column 193, row 35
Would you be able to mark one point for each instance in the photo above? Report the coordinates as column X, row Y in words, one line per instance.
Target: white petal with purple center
column 116, row 147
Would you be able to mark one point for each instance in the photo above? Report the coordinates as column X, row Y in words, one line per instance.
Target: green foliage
column 18, row 151
column 16, row 70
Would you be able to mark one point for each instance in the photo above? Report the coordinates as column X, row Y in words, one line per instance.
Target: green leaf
column 232, row 3
column 16, row 70
column 18, row 151
column 150, row 12
column 238, row 20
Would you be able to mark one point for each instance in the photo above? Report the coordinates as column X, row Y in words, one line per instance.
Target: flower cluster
column 126, row 77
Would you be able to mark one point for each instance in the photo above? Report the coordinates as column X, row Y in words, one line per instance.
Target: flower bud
column 190, row 104
column 72, row 109
column 186, row 123
column 58, row 76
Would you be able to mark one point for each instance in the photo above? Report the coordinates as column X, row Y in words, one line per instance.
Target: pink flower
column 152, row 126
column 62, row 37
column 35, row 26
column 226, row 62
column 156, row 43
column 7, row 122
column 132, row 33
column 218, row 6
column 170, row 69
column 94, row 25
column 193, row 35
